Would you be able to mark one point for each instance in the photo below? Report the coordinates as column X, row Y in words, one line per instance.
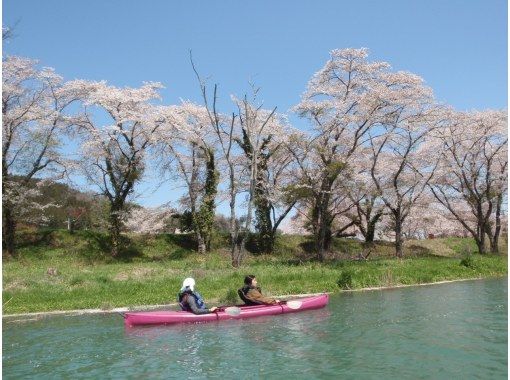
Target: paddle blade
column 294, row 304
column 233, row 311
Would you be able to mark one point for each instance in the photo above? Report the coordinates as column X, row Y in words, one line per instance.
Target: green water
column 447, row 331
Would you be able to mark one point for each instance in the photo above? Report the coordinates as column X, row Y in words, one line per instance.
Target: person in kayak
column 251, row 294
column 192, row 301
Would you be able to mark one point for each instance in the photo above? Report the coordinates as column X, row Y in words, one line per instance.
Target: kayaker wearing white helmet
column 192, row 301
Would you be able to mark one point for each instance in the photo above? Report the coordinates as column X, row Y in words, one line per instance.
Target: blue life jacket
column 196, row 295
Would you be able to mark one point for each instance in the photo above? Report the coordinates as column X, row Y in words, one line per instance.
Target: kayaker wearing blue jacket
column 251, row 294
column 192, row 301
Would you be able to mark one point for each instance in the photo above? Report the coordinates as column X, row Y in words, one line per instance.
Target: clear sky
column 458, row 46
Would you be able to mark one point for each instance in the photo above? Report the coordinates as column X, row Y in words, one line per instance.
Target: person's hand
column 213, row 309
column 278, row 301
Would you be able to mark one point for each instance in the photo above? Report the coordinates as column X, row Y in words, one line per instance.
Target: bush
column 468, row 262
column 230, row 298
column 253, row 244
column 345, row 280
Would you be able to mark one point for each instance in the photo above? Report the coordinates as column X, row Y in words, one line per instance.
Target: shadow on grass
column 185, row 241
column 420, row 251
column 128, row 250
column 179, row 247
column 343, row 246
column 178, row 254
column 352, row 250
column 35, row 238
column 97, row 246
column 307, row 246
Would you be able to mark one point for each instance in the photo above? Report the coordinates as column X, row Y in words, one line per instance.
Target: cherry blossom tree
column 402, row 165
column 345, row 100
column 226, row 131
column 113, row 156
column 428, row 218
column 369, row 207
column 189, row 150
column 277, row 183
column 256, row 132
column 34, row 119
column 472, row 173
column 264, row 134
column 149, row 220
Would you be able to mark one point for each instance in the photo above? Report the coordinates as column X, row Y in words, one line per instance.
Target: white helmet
column 188, row 283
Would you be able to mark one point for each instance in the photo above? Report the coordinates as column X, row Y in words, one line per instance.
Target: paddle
column 233, row 311
column 294, row 304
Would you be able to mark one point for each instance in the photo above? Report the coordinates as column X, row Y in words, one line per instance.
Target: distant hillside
column 66, row 204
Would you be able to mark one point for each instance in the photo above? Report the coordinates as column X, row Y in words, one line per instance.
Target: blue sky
column 458, row 47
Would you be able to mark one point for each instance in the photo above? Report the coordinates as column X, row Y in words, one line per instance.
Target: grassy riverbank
column 59, row 271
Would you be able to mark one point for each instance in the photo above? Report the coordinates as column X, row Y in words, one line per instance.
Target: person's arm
column 256, row 296
column 194, row 308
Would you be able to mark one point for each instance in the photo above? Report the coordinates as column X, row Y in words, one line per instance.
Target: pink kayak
column 170, row 317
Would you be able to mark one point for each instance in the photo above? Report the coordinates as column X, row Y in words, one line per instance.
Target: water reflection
column 209, row 348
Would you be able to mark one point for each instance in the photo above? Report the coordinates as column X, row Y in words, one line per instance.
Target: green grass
column 151, row 270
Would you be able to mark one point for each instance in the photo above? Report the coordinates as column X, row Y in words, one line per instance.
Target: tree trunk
column 233, row 255
column 318, row 233
column 324, row 233
column 264, row 224
column 480, row 240
column 237, row 257
column 234, row 237
column 494, row 242
column 370, row 234
column 234, row 233
column 202, row 246
column 9, row 222
column 319, row 246
column 398, row 236
column 207, row 208
column 9, row 231
column 371, row 224
column 494, row 239
column 321, row 225
column 480, row 243
column 251, row 199
column 115, row 226
column 271, row 240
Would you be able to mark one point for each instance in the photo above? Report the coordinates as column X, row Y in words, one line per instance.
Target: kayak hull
column 172, row 317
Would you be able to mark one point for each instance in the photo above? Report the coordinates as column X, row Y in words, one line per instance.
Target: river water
column 447, row 331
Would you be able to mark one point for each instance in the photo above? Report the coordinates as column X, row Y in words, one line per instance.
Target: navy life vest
column 196, row 295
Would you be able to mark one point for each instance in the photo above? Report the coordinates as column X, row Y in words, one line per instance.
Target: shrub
column 468, row 262
column 387, row 278
column 345, row 279
column 230, row 298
